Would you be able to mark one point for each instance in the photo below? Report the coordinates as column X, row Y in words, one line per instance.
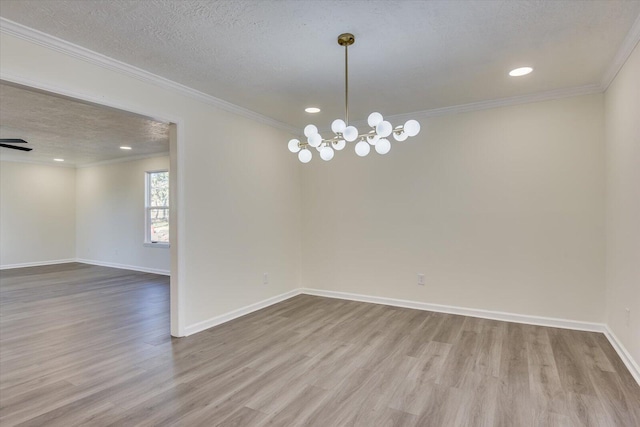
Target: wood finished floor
column 86, row 345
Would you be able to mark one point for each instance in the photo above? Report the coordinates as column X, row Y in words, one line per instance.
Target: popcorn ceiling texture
column 81, row 133
column 276, row 57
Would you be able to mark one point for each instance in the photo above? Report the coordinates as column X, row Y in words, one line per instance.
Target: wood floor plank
column 549, row 398
column 343, row 403
column 460, row 360
column 630, row 387
column 79, row 412
column 88, row 345
column 383, row 417
column 514, row 404
column 440, row 406
column 613, row 398
column 478, row 404
column 572, row 367
column 299, row 408
column 587, row 410
column 449, row 330
column 411, row 393
column 242, row 417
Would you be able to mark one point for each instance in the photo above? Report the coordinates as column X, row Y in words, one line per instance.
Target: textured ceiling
column 277, row 57
column 80, row 133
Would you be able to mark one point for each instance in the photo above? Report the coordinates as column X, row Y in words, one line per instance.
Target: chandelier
column 376, row 136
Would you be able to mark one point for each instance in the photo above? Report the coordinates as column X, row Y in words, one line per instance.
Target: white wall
column 110, row 215
column 37, row 214
column 240, row 188
column 501, row 210
column 243, row 214
column 94, row 214
column 622, row 106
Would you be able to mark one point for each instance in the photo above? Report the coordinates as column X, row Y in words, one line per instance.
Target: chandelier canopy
column 376, row 136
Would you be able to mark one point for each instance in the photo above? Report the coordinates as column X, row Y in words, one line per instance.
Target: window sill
column 157, row 245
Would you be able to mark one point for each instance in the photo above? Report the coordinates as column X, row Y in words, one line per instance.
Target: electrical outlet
column 265, row 279
column 627, row 316
column 420, row 279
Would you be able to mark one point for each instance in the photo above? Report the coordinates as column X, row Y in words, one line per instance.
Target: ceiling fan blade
column 13, row 141
column 16, row 148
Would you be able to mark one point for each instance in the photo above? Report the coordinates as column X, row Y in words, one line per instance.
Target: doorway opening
column 112, row 149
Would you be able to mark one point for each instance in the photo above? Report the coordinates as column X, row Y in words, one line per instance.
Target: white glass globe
column 412, row 127
column 338, row 126
column 305, row 156
column 314, row 140
column 350, row 133
column 362, row 148
column 372, row 139
column 374, row 119
column 293, row 146
column 383, row 146
column 319, row 147
column 383, row 129
column 399, row 134
column 310, row 130
column 522, row 71
column 340, row 144
column 326, row 153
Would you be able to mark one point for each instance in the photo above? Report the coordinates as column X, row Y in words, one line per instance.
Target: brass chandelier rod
column 346, row 84
column 346, row 40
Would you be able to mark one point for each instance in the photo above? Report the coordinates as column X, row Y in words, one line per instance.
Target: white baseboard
column 472, row 312
column 87, row 261
column 36, row 264
column 123, row 266
column 214, row 321
column 484, row 314
column 628, row 361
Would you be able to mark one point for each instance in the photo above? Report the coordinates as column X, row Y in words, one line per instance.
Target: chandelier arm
column 372, row 136
column 337, row 138
column 396, row 131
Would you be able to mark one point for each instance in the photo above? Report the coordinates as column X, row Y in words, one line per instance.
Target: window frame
column 148, row 208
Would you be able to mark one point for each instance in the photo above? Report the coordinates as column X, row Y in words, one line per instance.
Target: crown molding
column 51, row 163
column 549, row 95
column 9, row 158
column 59, row 45
column 500, row 102
column 79, row 52
column 625, row 50
column 123, row 160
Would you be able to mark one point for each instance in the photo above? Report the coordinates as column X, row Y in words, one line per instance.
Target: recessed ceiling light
column 522, row 71
column 312, row 110
column 58, row 160
column 125, row 147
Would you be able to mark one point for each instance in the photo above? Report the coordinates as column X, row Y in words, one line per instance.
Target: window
column 157, row 207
